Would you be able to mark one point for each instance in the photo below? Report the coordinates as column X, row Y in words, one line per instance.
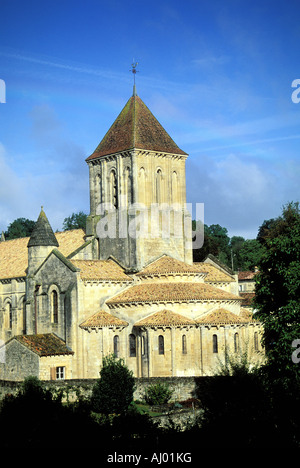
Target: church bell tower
column 138, row 191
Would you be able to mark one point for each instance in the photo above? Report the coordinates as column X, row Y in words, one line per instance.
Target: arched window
column 132, row 345
column 113, row 189
column 158, row 187
column 24, row 315
column 215, row 343
column 142, row 192
column 256, row 341
column 174, row 187
column 54, row 307
column 184, row 349
column 236, row 342
column 116, row 345
column 128, row 188
column 9, row 308
column 161, row 345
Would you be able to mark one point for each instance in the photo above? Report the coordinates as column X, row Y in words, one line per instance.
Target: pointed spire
column 2, row 239
column 42, row 234
column 135, row 127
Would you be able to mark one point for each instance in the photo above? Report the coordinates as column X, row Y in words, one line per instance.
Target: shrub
column 113, row 392
column 158, row 394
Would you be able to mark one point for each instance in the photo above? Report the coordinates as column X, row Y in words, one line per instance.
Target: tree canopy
column 20, row 227
column 75, row 221
column 236, row 252
column 277, row 290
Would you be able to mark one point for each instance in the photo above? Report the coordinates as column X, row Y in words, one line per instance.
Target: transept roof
column 14, row 253
column 168, row 265
column 106, row 270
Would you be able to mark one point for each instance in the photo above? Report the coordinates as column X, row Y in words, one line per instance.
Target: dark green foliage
column 75, row 221
column 158, row 394
column 236, row 252
column 113, row 392
column 32, row 418
column 277, row 290
column 21, row 227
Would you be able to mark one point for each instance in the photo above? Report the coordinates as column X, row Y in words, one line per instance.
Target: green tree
column 113, row 392
column 158, row 394
column 278, row 289
column 75, row 221
column 20, row 227
column 250, row 254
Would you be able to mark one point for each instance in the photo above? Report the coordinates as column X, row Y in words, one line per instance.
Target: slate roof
column 106, row 270
column 47, row 344
column 164, row 318
column 171, row 292
column 42, row 233
column 103, row 319
column 135, row 127
column 14, row 253
column 168, row 265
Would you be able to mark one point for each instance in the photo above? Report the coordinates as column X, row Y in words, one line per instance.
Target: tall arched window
column 174, row 187
column 161, row 345
column 236, row 342
column 184, row 349
column 142, row 182
column 113, row 189
column 132, row 345
column 24, row 315
column 158, row 186
column 54, row 307
column 128, row 188
column 215, row 343
column 116, row 345
column 9, row 313
column 256, row 341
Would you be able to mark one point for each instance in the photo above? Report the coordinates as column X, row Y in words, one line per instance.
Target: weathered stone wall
column 184, row 387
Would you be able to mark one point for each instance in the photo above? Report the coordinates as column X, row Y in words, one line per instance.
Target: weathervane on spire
column 134, row 71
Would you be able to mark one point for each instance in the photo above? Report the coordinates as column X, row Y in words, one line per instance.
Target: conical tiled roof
column 42, row 233
column 135, row 127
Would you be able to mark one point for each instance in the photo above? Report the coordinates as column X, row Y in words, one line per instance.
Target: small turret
column 41, row 242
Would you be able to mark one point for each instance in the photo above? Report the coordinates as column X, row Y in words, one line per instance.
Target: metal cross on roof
column 134, row 70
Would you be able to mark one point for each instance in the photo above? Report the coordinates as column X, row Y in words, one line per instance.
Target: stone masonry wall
column 184, row 387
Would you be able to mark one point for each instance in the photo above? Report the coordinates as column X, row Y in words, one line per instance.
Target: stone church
column 127, row 284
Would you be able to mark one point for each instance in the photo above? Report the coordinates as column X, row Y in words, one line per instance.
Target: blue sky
column 217, row 75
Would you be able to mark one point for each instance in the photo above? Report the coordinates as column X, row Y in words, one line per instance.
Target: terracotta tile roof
column 47, row 344
column 164, row 318
column 103, row 319
column 168, row 265
column 246, row 275
column 173, row 292
column 101, row 270
column 135, row 127
column 214, row 275
column 14, row 253
column 246, row 314
column 222, row 316
column 247, row 298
